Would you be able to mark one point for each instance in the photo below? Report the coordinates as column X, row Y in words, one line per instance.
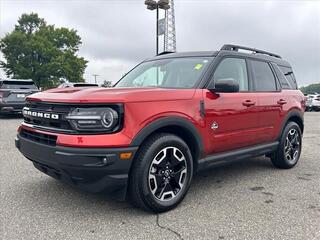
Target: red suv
column 169, row 117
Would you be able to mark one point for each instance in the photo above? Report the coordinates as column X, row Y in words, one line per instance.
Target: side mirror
column 225, row 85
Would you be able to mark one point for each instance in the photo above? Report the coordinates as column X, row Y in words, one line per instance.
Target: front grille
column 46, row 139
column 60, row 124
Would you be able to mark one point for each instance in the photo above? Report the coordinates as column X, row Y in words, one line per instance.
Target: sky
column 118, row 34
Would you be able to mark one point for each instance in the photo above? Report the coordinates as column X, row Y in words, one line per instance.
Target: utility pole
column 95, row 78
column 157, row 31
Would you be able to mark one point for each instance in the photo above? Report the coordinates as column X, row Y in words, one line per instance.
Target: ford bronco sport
column 169, row 117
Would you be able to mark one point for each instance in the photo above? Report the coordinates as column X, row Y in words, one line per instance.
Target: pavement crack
column 303, row 178
column 256, row 188
column 168, row 228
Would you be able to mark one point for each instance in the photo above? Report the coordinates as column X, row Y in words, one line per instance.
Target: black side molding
column 185, row 124
column 293, row 114
column 238, row 154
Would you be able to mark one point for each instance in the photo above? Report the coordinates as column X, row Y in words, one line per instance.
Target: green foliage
column 310, row 89
column 107, row 84
column 42, row 52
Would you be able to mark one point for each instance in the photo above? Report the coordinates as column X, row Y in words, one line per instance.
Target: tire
column 163, row 160
column 288, row 153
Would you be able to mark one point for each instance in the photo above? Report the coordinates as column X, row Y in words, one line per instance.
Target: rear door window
column 263, row 76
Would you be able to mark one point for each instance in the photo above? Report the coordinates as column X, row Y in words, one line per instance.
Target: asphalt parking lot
column 245, row 200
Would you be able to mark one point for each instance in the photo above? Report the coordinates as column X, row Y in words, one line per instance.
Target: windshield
column 18, row 85
column 166, row 73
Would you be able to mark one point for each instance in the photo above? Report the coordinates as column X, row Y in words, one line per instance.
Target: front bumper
column 11, row 107
column 90, row 169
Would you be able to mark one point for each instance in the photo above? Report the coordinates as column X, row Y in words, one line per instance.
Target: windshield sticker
column 198, row 66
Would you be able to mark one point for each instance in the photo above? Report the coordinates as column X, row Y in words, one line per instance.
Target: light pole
column 156, row 5
column 95, row 78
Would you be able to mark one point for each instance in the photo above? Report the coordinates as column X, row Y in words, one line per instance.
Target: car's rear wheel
column 289, row 149
column 161, row 173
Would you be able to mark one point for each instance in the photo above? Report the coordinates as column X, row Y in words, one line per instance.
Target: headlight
column 93, row 119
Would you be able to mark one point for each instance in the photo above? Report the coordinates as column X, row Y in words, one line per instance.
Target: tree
column 310, row 89
column 107, row 84
column 41, row 52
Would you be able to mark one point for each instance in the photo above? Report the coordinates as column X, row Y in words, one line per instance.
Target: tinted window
column 263, row 76
column 287, row 71
column 282, row 79
column 18, row 85
column 233, row 68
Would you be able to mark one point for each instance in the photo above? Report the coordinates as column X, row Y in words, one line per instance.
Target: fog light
column 104, row 160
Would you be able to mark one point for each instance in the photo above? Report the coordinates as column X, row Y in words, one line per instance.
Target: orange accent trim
column 126, row 155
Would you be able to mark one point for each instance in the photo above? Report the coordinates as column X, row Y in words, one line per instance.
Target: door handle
column 248, row 103
column 282, row 101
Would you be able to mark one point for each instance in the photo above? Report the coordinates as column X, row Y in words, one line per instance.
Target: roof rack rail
column 236, row 48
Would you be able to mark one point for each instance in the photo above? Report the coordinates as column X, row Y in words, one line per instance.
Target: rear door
column 231, row 118
column 271, row 101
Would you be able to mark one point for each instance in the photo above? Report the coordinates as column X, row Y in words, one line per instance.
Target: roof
column 228, row 49
column 185, row 54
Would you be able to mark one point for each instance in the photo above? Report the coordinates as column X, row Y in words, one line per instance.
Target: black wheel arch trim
column 181, row 122
column 292, row 113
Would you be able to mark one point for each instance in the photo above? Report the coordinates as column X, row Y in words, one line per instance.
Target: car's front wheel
column 289, row 149
column 161, row 173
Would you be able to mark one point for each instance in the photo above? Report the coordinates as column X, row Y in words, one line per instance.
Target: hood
column 111, row 95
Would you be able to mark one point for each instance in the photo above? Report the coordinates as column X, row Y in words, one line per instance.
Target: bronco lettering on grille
column 28, row 113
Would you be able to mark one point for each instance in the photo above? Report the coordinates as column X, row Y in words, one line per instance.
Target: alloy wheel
column 292, row 145
column 167, row 174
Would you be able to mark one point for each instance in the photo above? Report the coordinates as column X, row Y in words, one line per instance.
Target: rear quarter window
column 289, row 76
column 285, row 84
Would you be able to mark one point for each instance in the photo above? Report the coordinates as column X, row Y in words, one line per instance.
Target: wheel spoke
column 160, row 159
column 288, row 142
column 166, row 189
column 294, row 139
column 158, row 177
column 177, row 174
